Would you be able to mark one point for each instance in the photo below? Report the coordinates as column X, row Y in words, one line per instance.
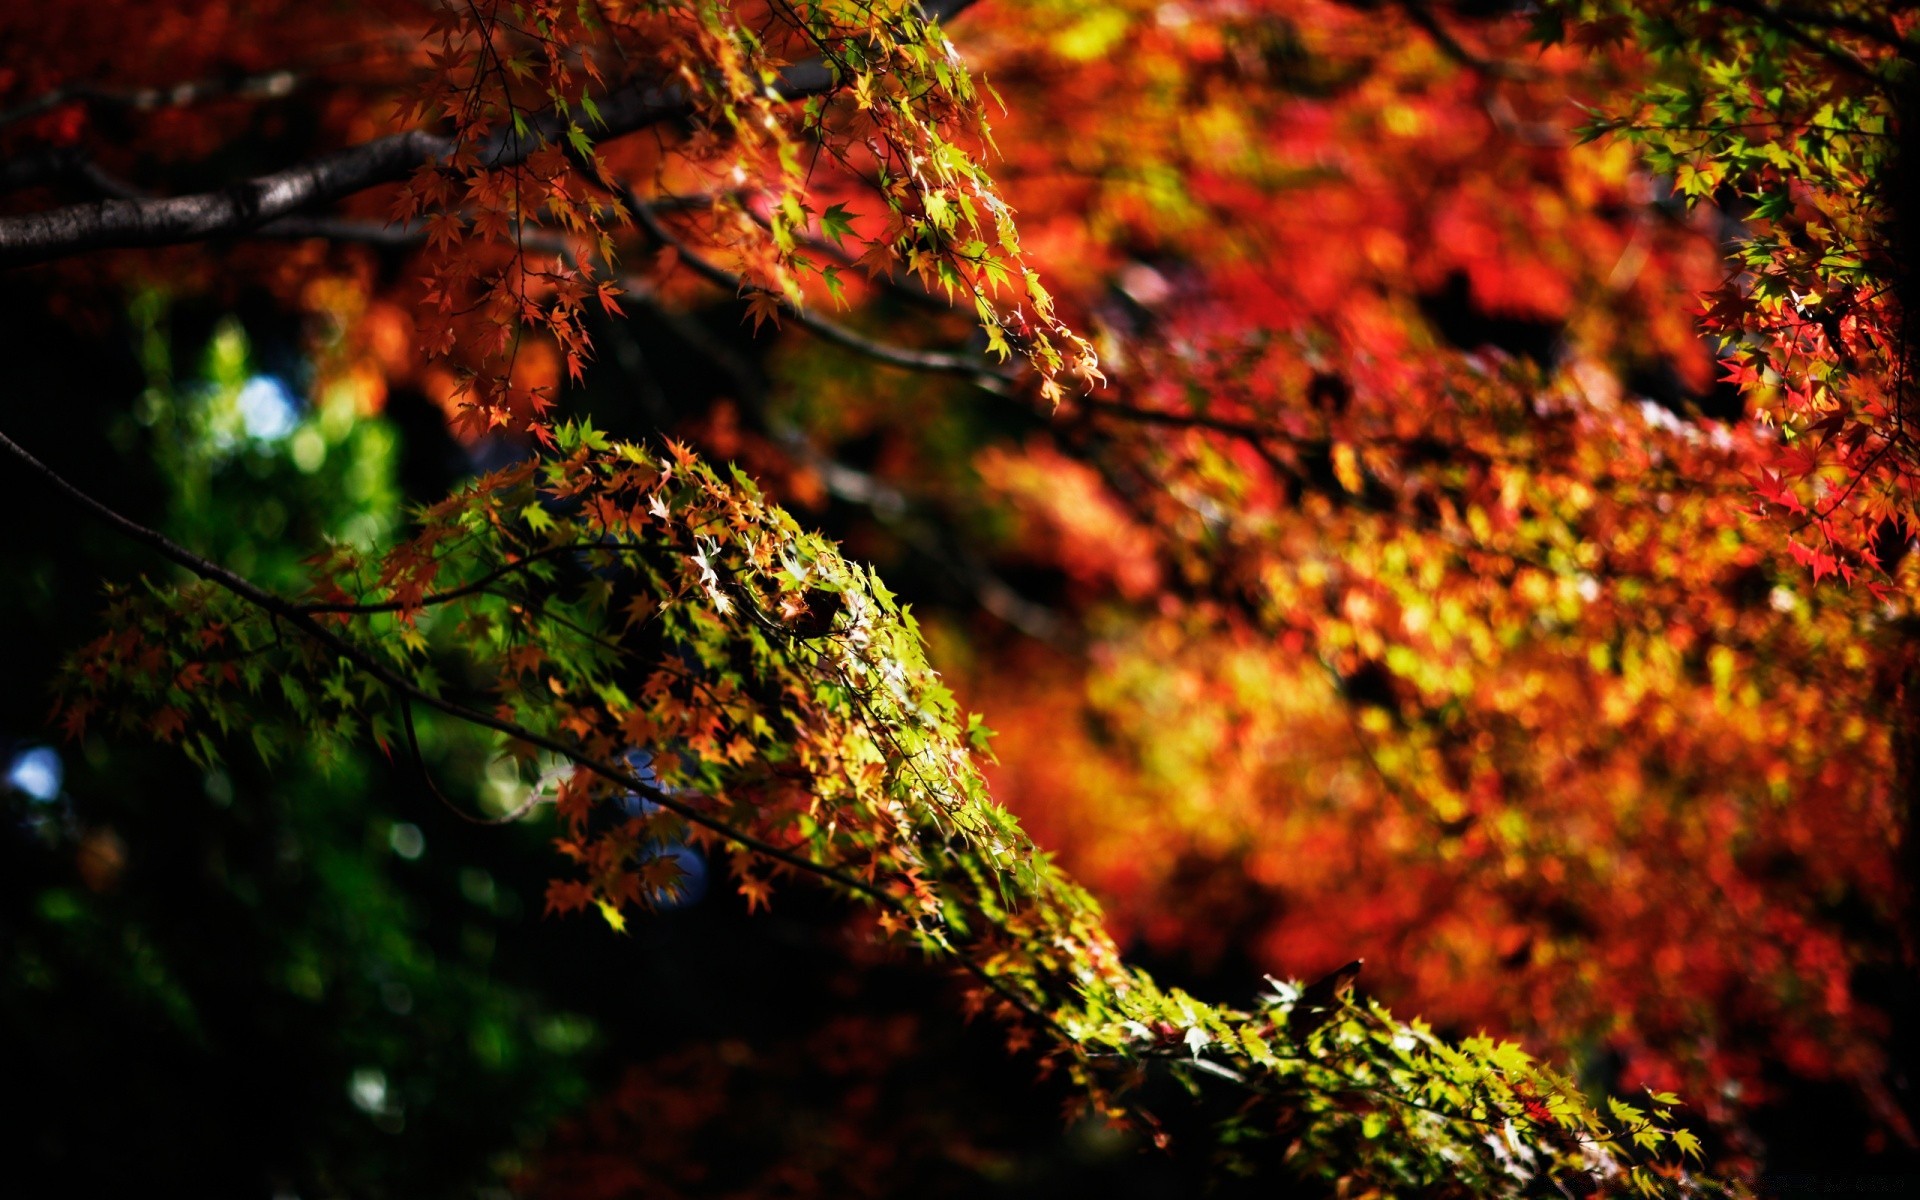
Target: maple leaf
column 763, row 306
column 836, row 223
column 758, row 892
column 168, row 723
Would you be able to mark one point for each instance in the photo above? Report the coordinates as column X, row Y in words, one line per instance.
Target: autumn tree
column 1299, row 439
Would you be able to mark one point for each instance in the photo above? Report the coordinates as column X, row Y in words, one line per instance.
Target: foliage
column 1393, row 584
column 896, row 107
column 1793, row 121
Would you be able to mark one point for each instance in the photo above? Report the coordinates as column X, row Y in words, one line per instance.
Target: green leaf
column 979, row 736
column 836, row 223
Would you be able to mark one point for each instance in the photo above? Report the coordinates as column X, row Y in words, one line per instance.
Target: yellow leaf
column 614, row 916
column 1346, row 468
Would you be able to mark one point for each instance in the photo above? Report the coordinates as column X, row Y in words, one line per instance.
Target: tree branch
column 245, row 206
column 475, row 587
column 1883, row 32
column 1793, row 24
column 269, row 85
column 973, row 370
column 300, row 618
column 171, row 220
column 1453, row 48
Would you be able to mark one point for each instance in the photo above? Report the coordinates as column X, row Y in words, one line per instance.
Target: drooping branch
column 1056, row 968
column 410, row 693
column 372, row 233
column 972, row 369
column 301, row 618
column 249, row 204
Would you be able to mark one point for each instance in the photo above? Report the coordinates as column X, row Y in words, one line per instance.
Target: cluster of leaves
column 1459, row 704
column 1792, row 120
column 523, row 211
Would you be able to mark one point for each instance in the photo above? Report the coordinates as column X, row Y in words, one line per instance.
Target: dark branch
column 938, row 362
column 166, row 221
column 63, row 164
column 372, row 233
column 1793, row 24
column 1883, row 32
column 426, row 777
column 268, row 85
column 246, row 206
column 1453, row 48
column 474, row 588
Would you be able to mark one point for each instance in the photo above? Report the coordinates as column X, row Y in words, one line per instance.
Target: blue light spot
column 267, row 408
column 38, row 772
column 641, row 764
column 691, row 887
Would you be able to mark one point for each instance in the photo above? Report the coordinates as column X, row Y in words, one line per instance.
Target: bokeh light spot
column 267, row 408
column 37, row 772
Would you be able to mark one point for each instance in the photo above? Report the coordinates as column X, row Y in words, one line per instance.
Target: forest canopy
column 720, row 598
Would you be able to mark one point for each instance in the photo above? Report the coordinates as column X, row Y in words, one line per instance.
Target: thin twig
column 967, row 367
column 1454, row 49
column 426, row 776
